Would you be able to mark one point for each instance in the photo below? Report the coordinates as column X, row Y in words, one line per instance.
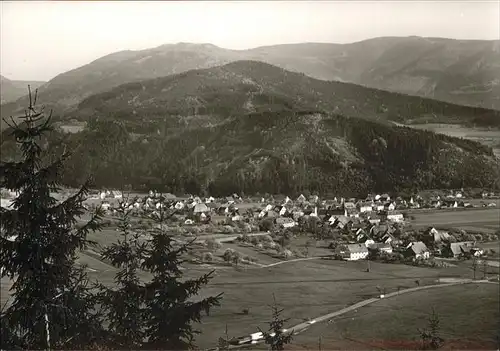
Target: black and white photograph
column 250, row 175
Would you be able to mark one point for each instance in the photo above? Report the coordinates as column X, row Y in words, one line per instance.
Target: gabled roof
column 198, row 208
column 417, row 247
column 356, row 248
column 461, row 247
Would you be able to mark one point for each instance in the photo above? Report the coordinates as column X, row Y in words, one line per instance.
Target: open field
column 484, row 136
column 468, row 317
column 305, row 289
column 483, row 220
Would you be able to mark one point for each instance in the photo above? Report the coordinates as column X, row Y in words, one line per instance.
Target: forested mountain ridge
column 276, row 152
column 253, row 86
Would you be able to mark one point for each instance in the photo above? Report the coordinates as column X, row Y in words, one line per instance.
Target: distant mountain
column 11, row 90
column 211, row 95
column 459, row 71
column 465, row 72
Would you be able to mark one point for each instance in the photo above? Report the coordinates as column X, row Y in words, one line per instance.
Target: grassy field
column 468, row 315
column 485, row 136
column 305, row 289
column 483, row 220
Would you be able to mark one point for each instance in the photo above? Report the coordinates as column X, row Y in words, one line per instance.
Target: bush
column 266, row 239
column 286, row 254
column 266, row 225
column 207, row 257
column 244, row 238
column 254, row 240
column 213, row 244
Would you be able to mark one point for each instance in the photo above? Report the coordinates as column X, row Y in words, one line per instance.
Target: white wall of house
column 363, row 209
column 354, row 256
column 424, row 255
column 395, row 217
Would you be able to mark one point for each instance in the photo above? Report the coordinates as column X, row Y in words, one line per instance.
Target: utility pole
column 485, row 269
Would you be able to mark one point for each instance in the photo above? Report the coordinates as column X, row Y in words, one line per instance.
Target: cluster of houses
column 382, row 238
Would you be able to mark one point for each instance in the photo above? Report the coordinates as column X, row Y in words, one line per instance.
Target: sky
column 41, row 39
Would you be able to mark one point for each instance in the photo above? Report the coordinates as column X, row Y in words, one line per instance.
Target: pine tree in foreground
column 51, row 300
column 123, row 304
column 171, row 303
column 431, row 338
column 276, row 337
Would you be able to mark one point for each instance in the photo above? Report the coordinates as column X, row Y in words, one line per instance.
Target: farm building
column 417, row 249
column 461, row 248
column 352, row 252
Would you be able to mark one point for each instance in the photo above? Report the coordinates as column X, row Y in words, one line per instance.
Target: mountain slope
column 211, row 95
column 458, row 71
column 11, row 90
column 275, row 152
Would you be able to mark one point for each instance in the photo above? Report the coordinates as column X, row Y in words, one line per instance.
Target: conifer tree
column 123, row 305
column 52, row 305
column 276, row 337
column 431, row 337
column 171, row 303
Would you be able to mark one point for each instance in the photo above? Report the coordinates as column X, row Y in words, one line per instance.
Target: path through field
column 301, row 327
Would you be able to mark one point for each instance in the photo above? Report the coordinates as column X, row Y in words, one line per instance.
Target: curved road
column 303, row 326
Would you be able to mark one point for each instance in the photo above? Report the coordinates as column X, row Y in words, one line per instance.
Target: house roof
column 198, row 208
column 356, row 248
column 418, row 247
column 343, row 219
column 458, row 248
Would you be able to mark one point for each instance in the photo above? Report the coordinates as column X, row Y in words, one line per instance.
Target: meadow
column 305, row 289
column 468, row 318
column 480, row 220
column 489, row 137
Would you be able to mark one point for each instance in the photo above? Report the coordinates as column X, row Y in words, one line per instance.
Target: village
column 378, row 227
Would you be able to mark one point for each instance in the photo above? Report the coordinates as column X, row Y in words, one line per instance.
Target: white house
column 395, row 217
column 201, row 208
column 391, row 206
column 179, row 205
column 353, row 252
column 365, row 207
column 282, row 211
column 209, row 200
